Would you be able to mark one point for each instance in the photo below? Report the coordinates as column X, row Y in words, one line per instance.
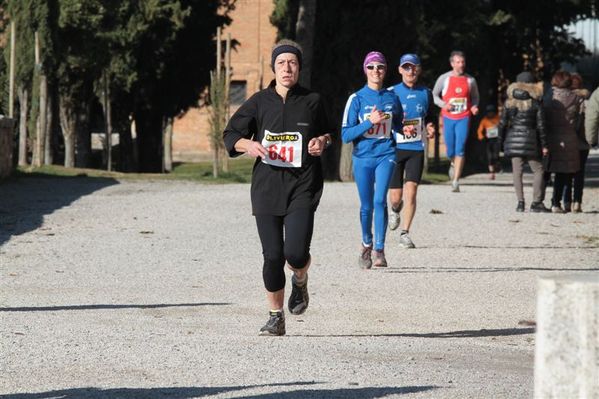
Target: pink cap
column 373, row 56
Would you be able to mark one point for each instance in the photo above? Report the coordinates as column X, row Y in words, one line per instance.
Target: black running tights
column 284, row 238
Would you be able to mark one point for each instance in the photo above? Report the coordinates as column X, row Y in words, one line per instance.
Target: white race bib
column 411, row 132
column 284, row 149
column 381, row 130
column 458, row 105
column 492, row 132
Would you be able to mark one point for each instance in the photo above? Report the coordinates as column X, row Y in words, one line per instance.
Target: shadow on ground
column 414, row 270
column 500, row 332
column 108, row 307
column 201, row 392
column 24, row 201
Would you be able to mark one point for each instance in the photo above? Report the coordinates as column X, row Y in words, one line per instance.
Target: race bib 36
column 412, row 131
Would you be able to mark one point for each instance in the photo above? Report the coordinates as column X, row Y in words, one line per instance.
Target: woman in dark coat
column 522, row 132
column 563, row 113
column 574, row 188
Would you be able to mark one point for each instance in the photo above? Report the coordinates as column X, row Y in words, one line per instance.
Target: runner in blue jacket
column 416, row 101
column 372, row 117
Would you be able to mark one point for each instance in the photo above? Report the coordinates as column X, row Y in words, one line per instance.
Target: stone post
column 567, row 339
column 7, row 139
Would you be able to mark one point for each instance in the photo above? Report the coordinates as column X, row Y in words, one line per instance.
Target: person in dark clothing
column 574, row 188
column 285, row 128
column 563, row 116
column 488, row 131
column 522, row 133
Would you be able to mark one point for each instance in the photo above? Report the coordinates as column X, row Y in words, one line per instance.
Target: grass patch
column 240, row 171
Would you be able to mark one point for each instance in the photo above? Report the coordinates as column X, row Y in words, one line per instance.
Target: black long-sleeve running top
column 289, row 178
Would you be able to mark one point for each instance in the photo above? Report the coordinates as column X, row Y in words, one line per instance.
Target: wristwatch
column 328, row 141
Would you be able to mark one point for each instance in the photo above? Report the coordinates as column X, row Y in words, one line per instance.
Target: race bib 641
column 284, row 149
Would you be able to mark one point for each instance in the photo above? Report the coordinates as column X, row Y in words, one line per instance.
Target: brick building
column 250, row 63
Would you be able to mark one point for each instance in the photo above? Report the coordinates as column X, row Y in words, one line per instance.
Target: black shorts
column 410, row 163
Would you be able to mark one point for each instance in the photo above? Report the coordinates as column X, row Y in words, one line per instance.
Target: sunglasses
column 409, row 67
column 378, row 67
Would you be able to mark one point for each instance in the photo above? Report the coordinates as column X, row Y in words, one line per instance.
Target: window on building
column 238, row 92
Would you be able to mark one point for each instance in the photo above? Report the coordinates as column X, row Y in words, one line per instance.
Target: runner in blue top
column 372, row 116
column 417, row 104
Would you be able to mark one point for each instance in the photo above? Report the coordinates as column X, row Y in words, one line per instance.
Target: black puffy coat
column 522, row 123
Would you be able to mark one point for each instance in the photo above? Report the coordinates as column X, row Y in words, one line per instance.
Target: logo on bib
column 281, row 137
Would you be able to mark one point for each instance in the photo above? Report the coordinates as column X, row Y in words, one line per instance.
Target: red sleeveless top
column 458, row 96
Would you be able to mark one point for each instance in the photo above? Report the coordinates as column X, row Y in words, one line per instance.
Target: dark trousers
column 577, row 181
column 284, row 238
column 559, row 183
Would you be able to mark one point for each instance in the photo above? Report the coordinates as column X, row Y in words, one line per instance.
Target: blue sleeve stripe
column 347, row 107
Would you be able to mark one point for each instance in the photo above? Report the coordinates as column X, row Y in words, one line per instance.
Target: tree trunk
column 345, row 165
column 106, row 108
column 215, row 158
column 304, row 34
column 84, row 142
column 126, row 159
column 40, row 136
column 48, row 151
column 23, row 105
column 168, row 146
column 149, row 140
column 68, row 123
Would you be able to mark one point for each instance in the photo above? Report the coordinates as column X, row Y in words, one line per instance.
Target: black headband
column 285, row 48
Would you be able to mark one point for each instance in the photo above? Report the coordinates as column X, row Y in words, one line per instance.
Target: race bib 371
column 381, row 130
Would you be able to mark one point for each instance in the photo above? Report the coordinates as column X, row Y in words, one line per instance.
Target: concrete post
column 7, row 136
column 567, row 339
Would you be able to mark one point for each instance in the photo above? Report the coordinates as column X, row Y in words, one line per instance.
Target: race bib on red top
column 380, row 130
column 458, row 105
column 412, row 131
column 284, row 149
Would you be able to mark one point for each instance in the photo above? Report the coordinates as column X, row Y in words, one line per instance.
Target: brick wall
column 250, row 62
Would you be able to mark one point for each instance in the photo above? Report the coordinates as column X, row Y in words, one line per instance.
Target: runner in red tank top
column 456, row 93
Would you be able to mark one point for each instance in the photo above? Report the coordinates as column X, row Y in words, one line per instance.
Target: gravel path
column 145, row 289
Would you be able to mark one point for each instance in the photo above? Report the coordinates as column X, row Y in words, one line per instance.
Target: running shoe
column 394, row 218
column 405, row 241
column 576, row 207
column 455, row 186
column 299, row 298
column 567, row 207
column 275, row 324
column 365, row 260
column 520, row 207
column 379, row 258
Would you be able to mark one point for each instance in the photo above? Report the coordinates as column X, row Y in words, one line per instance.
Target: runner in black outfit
column 285, row 127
